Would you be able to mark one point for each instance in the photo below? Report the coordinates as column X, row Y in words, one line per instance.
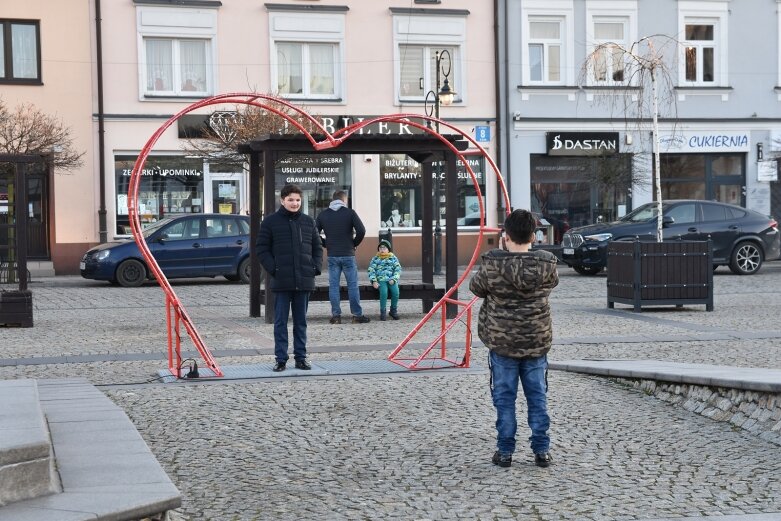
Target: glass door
column 225, row 192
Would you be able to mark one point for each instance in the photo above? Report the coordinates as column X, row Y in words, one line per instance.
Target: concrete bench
column 105, row 469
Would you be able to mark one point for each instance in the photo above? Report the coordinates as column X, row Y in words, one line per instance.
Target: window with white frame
column 418, row 70
column 547, row 50
column 306, row 69
column 19, row 51
column 177, row 67
column 702, row 29
column 176, row 49
column 700, row 52
column 307, row 60
column 418, row 39
column 608, row 66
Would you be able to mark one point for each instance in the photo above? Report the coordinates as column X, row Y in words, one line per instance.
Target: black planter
column 16, row 308
column 660, row 273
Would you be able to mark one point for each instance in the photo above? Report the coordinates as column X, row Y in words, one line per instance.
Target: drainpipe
column 502, row 101
column 103, row 232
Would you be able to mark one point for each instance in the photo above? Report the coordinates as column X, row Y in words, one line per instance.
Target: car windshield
column 152, row 228
column 641, row 214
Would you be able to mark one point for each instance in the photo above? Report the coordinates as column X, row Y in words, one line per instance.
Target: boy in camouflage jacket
column 515, row 325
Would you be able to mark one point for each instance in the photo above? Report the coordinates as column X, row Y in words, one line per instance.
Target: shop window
column 169, row 185
column 718, row 177
column 20, row 51
column 401, row 192
column 318, row 176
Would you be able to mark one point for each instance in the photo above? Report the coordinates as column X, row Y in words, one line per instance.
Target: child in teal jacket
column 384, row 274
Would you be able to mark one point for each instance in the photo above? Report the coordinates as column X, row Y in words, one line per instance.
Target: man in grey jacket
column 344, row 231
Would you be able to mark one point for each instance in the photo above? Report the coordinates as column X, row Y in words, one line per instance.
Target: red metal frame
column 176, row 314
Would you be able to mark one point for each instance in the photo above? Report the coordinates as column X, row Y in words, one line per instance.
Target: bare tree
column 647, row 82
column 27, row 130
column 218, row 139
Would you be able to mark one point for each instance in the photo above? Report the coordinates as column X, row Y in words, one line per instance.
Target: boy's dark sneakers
column 279, row 366
column 336, row 319
column 503, row 460
column 543, row 459
column 361, row 320
column 303, row 365
column 393, row 314
column 382, row 316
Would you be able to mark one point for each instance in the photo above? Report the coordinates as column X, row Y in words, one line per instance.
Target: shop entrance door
column 225, row 193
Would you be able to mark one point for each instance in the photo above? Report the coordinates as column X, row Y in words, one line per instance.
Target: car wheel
column 746, row 258
column 244, row 271
column 587, row 270
column 131, row 273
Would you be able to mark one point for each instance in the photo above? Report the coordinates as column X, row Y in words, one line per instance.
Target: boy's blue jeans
column 348, row 266
column 286, row 302
column 532, row 373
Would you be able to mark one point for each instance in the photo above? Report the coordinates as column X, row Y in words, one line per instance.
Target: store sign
column 581, row 143
column 704, row 142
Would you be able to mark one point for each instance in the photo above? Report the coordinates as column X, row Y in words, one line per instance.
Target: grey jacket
column 515, row 319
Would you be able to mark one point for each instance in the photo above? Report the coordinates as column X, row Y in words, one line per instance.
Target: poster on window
column 767, row 171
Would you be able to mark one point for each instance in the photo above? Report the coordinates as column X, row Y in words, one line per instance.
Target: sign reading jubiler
column 581, row 143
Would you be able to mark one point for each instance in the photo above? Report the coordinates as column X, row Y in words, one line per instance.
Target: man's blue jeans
column 348, row 266
column 532, row 373
column 284, row 303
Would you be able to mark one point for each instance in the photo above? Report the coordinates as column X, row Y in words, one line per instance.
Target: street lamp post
column 443, row 95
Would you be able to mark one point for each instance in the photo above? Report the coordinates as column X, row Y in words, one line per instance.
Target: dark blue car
column 193, row 245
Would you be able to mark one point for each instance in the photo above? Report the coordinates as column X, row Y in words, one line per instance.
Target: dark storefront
column 583, row 179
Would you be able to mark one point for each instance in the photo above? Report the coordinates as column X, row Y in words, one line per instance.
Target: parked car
column 742, row 239
column 192, row 245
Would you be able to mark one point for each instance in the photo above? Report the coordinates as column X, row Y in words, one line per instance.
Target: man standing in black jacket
column 344, row 231
column 289, row 250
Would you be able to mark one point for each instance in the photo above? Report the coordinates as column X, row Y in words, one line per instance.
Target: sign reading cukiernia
column 705, row 141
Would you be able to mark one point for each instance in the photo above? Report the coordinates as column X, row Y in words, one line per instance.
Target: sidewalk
column 418, row 446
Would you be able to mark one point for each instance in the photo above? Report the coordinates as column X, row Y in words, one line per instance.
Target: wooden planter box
column 660, row 273
column 16, row 308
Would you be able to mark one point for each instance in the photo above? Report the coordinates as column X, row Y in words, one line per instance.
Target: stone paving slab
column 102, row 478
column 745, row 378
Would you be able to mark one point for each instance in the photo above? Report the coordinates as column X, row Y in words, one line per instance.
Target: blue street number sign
column 483, row 133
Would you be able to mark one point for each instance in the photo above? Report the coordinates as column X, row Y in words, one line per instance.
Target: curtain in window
column 192, row 58
column 544, row 30
column 321, row 68
column 289, row 74
column 411, row 71
column 159, row 66
column 23, row 51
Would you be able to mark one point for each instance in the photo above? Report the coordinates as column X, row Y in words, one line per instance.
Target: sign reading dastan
column 581, row 143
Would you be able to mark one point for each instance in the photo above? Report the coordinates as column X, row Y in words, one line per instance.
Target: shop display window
column 318, row 176
column 401, row 192
column 169, row 185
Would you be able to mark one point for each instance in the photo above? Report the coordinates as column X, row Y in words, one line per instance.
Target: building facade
column 579, row 148
column 139, row 62
column 342, row 61
column 46, row 62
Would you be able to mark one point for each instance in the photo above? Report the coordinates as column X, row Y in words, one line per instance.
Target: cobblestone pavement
column 418, row 446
